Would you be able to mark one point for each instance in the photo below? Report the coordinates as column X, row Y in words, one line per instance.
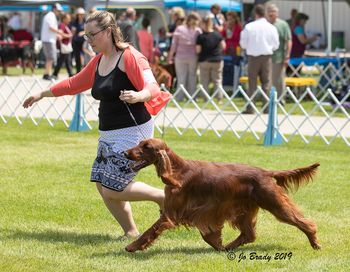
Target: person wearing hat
column 49, row 33
column 77, row 28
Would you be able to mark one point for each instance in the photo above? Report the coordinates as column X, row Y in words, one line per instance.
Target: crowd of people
column 193, row 45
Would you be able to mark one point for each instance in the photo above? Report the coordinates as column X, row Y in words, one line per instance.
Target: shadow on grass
column 56, row 236
column 150, row 253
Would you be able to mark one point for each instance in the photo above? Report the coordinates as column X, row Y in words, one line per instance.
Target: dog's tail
column 292, row 179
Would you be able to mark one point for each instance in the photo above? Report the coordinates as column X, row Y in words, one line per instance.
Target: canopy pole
column 242, row 13
column 329, row 36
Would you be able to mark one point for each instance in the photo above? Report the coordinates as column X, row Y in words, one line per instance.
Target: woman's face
column 80, row 17
column 193, row 22
column 98, row 38
column 231, row 20
column 302, row 22
column 66, row 20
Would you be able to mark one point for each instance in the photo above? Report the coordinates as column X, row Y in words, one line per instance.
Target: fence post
column 272, row 135
column 78, row 122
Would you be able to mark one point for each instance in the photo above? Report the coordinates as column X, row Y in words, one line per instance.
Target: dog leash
column 137, row 125
column 133, row 118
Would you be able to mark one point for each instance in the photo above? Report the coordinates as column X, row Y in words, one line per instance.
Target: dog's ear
column 164, row 169
column 163, row 164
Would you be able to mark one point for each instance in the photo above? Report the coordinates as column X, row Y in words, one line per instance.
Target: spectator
column 128, row 29
column 177, row 17
column 183, row 48
column 231, row 33
column 259, row 38
column 49, row 32
column 78, row 31
column 210, row 45
column 65, row 47
column 138, row 21
column 14, row 22
column 299, row 38
column 217, row 17
column 291, row 20
column 281, row 56
column 146, row 40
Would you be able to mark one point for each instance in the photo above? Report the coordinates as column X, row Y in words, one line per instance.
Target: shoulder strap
column 120, row 57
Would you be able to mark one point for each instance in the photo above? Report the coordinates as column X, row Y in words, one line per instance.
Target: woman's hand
column 32, row 99
column 133, row 97
column 130, row 97
column 36, row 97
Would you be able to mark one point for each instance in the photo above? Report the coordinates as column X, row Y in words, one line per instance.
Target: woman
column 299, row 38
column 177, row 16
column 146, row 40
column 210, row 46
column 66, row 40
column 117, row 75
column 78, row 40
column 183, row 47
column 231, row 33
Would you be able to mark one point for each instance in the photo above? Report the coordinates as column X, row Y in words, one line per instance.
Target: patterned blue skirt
column 110, row 167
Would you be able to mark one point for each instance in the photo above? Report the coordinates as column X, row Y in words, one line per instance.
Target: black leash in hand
column 133, row 118
column 137, row 125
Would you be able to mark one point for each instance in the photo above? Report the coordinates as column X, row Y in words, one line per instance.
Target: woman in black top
column 118, row 76
column 210, row 46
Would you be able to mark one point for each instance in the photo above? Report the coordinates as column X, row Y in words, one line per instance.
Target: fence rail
column 307, row 115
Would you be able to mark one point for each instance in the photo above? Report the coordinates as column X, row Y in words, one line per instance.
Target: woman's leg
column 121, row 211
column 192, row 76
column 58, row 64
column 216, row 77
column 68, row 63
column 117, row 203
column 181, row 68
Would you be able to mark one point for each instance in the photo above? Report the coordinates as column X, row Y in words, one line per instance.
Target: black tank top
column 113, row 113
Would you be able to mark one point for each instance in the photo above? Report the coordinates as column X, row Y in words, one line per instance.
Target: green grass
column 52, row 218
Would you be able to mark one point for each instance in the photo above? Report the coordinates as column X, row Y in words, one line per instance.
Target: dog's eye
column 147, row 146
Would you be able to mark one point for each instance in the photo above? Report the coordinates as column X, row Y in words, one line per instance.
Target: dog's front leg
column 213, row 238
column 147, row 238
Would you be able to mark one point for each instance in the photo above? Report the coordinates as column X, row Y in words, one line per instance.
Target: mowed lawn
column 52, row 218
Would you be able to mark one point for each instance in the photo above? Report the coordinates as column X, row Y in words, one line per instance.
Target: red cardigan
column 134, row 63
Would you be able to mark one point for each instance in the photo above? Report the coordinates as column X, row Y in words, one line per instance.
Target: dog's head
column 147, row 152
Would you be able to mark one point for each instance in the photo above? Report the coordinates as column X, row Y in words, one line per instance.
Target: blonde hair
column 105, row 19
column 178, row 11
column 208, row 22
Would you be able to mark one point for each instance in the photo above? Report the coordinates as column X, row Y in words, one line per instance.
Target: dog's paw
column 316, row 246
column 130, row 248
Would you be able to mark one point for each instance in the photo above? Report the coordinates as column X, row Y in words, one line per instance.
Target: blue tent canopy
column 226, row 5
column 40, row 8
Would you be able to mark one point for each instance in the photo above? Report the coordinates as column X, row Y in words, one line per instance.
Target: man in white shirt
column 49, row 32
column 259, row 38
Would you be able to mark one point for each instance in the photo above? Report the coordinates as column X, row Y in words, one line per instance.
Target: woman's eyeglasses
column 90, row 36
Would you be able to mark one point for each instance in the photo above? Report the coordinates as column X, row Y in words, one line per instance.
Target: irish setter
column 206, row 194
